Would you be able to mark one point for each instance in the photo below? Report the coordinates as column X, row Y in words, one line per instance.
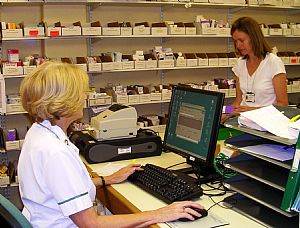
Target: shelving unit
column 268, row 185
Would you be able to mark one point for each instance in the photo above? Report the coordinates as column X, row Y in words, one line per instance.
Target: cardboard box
column 232, row 92
column 107, row 63
column 150, row 61
column 141, row 28
column 286, row 31
column 117, row 65
column 12, row 108
column 202, row 59
column 275, row 31
column 232, row 59
column 12, row 70
column 28, row 69
column 212, row 59
column 34, row 31
column 155, row 96
column 12, row 145
column 141, row 64
column 92, row 29
column 4, row 180
column 179, row 61
column 112, row 29
column 53, row 31
column 126, row 29
column 12, row 33
column 145, row 98
column 191, row 59
column 292, row 57
column 81, row 62
column 284, row 57
column 223, row 59
column 71, row 29
column 296, row 31
column 96, row 65
column 168, row 63
column 134, row 98
column 224, row 31
column 176, row 29
column 127, row 62
column 159, row 29
column 190, row 29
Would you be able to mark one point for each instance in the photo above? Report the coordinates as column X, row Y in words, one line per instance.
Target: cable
column 171, row 166
column 220, row 168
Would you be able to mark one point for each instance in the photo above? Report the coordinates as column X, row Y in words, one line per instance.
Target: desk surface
column 132, row 197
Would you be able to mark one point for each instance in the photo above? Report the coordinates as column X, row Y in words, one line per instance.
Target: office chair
column 11, row 216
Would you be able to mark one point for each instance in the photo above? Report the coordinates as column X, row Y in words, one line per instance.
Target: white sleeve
column 276, row 66
column 65, row 180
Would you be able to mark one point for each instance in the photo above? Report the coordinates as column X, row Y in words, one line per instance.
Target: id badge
column 250, row 97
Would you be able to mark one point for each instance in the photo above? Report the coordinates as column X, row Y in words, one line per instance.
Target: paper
column 272, row 120
column 249, row 123
column 274, row 151
column 108, row 169
column 212, row 220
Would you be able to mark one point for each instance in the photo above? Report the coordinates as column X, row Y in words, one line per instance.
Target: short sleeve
column 64, row 178
column 236, row 69
column 276, row 65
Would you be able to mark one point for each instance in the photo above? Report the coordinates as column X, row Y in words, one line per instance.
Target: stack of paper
column 271, row 119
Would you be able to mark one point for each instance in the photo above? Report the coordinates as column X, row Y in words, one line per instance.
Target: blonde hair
column 54, row 90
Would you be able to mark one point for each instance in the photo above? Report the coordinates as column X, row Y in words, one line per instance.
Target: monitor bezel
column 214, row 135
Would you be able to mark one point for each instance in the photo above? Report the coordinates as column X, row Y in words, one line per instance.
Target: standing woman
column 260, row 74
column 54, row 184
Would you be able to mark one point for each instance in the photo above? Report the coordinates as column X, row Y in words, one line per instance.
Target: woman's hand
column 177, row 210
column 241, row 108
column 122, row 174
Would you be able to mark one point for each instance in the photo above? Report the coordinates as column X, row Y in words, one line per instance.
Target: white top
column 260, row 83
column 53, row 181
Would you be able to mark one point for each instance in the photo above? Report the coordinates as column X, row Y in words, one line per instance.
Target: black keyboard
column 167, row 185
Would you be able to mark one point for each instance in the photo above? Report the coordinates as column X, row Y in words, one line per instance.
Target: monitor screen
column 193, row 123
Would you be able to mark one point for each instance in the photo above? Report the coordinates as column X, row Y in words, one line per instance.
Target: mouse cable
column 171, row 166
column 218, row 203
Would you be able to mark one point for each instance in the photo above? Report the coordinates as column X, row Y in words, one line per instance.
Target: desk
column 127, row 198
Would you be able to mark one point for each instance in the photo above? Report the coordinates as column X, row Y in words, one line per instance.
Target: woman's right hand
column 177, row 210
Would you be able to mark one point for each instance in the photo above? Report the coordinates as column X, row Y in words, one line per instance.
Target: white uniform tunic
column 260, row 83
column 53, row 181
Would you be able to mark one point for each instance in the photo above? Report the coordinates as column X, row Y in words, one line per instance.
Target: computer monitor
column 192, row 128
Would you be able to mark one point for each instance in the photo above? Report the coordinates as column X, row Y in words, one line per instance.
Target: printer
column 118, row 121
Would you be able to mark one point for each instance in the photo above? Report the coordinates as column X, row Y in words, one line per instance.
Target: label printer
column 114, row 136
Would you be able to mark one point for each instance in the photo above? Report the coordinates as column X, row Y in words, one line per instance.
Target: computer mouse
column 203, row 212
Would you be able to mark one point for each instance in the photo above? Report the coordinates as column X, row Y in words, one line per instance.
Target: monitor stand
column 207, row 175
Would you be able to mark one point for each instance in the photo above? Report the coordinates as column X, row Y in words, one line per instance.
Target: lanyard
column 66, row 141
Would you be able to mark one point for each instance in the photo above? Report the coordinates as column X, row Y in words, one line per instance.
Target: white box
column 149, row 64
column 191, row 62
column 223, row 62
column 285, row 60
column 199, row 1
column 168, row 63
column 190, row 30
column 107, row 66
column 206, row 31
column 126, row 31
column 34, row 31
column 28, row 69
column 232, row 92
column 289, row 88
column 145, row 98
column 217, row 1
column 119, row 98
column 213, row 61
column 71, row 31
column 11, row 108
column 140, row 64
column 180, row 62
column 134, row 98
column 202, row 62
column 275, row 31
column 94, row 67
column 232, row 61
column 91, row 31
column 83, row 66
column 4, row 180
column 111, row 31
column 12, row 33
column 155, row 96
column 141, row 30
column 296, row 31
column 53, row 31
column 224, row 31
column 238, row 2
column 225, row 91
column 104, row 100
column 12, row 145
column 176, row 30
column 286, row 31
column 117, row 65
column 159, row 31
column 166, row 95
column 127, row 65
column 12, row 70
column 265, row 31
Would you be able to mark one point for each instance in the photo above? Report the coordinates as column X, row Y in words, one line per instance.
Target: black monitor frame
column 200, row 166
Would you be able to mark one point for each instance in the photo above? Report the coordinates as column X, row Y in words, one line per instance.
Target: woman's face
column 242, row 42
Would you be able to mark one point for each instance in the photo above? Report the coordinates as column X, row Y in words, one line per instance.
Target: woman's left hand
column 122, row 174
